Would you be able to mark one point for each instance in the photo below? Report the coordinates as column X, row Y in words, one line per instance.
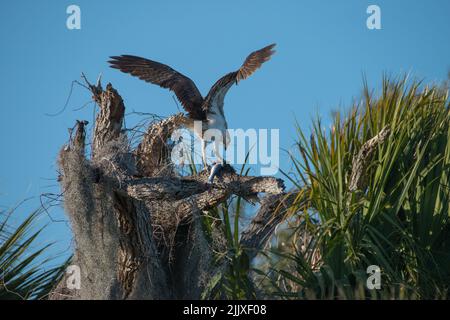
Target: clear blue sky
column 323, row 49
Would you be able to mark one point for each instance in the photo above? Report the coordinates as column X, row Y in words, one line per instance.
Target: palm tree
column 378, row 194
column 23, row 269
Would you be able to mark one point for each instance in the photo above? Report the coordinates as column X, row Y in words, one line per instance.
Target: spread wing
column 253, row 62
column 165, row 77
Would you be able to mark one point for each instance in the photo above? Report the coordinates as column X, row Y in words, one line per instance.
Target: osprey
column 208, row 110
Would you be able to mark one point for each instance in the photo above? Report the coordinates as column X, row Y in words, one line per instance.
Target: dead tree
column 136, row 222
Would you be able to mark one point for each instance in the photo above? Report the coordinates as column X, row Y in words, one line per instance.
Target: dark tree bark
column 136, row 222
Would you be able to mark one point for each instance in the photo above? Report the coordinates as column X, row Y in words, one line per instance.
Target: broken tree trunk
column 136, row 222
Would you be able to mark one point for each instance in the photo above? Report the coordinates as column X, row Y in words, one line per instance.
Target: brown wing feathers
column 184, row 88
column 254, row 62
column 164, row 76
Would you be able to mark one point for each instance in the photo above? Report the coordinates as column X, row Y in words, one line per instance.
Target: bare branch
column 194, row 193
column 272, row 212
column 79, row 140
column 109, row 121
column 358, row 178
column 153, row 153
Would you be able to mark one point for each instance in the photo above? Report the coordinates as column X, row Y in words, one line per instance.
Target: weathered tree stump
column 136, row 222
